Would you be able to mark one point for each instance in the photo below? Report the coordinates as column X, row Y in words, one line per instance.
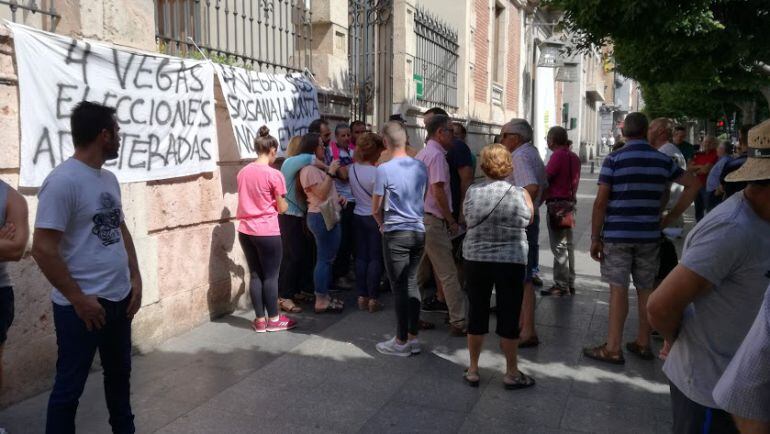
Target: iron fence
column 266, row 35
column 21, row 11
column 435, row 63
column 370, row 58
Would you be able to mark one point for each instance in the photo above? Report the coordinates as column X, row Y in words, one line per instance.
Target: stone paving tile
column 407, row 417
column 590, row 415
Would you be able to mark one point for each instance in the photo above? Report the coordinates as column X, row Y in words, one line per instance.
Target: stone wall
column 184, row 228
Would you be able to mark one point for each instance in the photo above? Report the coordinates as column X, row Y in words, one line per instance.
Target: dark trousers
column 77, row 347
column 368, row 256
column 295, row 274
column 701, row 204
column 402, row 251
column 713, row 201
column 263, row 255
column 693, row 418
column 342, row 260
column 508, row 281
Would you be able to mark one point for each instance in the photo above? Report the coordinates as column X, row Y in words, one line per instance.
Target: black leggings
column 296, row 273
column 508, row 280
column 263, row 254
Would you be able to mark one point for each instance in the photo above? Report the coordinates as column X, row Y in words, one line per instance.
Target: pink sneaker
column 259, row 326
column 282, row 323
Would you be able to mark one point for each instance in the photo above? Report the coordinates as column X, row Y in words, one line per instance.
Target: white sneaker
column 392, row 348
column 415, row 346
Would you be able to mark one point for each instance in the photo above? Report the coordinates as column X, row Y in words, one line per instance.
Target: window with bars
column 266, row 35
column 436, row 60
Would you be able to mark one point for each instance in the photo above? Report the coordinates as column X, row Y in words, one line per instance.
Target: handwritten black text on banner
column 286, row 103
column 164, row 106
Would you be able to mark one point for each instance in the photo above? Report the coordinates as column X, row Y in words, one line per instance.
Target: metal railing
column 436, row 60
column 49, row 17
column 265, row 35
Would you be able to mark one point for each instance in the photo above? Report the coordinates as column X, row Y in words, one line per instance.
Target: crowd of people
column 349, row 208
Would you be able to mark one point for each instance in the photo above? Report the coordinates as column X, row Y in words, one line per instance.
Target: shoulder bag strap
column 355, row 175
column 493, row 209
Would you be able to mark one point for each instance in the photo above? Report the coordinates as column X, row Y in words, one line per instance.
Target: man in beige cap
column 706, row 305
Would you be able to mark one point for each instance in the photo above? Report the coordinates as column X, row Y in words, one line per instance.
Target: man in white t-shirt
column 84, row 248
column 659, row 135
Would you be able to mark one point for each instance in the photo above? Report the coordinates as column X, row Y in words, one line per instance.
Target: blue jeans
column 701, row 204
column 326, row 245
column 533, row 236
column 77, row 347
column 368, row 256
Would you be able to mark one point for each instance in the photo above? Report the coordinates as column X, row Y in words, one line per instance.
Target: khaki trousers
column 438, row 249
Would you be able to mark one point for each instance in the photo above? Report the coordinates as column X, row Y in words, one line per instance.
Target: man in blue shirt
column 626, row 230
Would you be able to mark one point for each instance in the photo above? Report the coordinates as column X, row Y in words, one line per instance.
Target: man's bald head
column 660, row 132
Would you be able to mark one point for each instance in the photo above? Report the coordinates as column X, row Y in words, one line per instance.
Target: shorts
column 623, row 260
column 6, row 312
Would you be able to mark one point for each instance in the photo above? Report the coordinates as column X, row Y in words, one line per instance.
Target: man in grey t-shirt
column 84, row 248
column 706, row 305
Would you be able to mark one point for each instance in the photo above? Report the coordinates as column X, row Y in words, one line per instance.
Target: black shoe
column 537, row 281
column 434, row 305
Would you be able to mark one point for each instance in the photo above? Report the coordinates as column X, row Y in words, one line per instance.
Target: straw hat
column 757, row 166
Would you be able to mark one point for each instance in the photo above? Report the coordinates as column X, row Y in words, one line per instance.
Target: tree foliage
column 690, row 56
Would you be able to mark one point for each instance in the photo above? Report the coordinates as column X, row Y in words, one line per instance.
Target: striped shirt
column 638, row 175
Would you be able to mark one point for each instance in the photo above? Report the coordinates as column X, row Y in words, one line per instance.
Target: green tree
column 691, row 56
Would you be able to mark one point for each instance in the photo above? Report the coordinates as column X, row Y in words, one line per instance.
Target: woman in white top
column 366, row 232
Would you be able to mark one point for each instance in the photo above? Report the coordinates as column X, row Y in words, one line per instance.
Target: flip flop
column 472, row 378
column 522, row 381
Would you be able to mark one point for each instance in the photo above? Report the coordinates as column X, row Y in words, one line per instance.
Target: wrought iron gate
column 370, row 57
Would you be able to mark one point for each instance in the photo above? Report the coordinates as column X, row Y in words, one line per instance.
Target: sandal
column 425, row 325
column 374, row 305
column 287, row 305
column 334, row 306
column 304, row 298
column 521, row 381
column 601, row 354
column 645, row 353
column 530, row 343
column 363, row 303
column 553, row 291
column 472, row 378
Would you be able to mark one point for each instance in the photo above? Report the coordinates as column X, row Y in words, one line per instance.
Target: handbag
column 330, row 213
column 561, row 212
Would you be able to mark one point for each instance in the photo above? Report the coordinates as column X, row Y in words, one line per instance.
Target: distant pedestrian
column 700, row 166
column 323, row 207
column 440, row 224
column 706, row 305
column 495, row 252
column 744, row 388
column 563, row 171
column 367, row 236
column 261, row 191
column 528, row 173
column 14, row 234
column 398, row 207
column 84, row 248
column 625, row 231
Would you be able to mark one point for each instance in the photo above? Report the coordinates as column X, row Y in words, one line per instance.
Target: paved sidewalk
column 326, row 375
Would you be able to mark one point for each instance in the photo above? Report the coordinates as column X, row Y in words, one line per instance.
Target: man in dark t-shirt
column 687, row 149
column 460, row 171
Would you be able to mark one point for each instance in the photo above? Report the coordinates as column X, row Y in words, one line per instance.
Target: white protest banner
column 165, row 106
column 286, row 103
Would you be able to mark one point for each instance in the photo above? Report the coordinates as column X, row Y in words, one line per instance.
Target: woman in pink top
column 261, row 191
column 317, row 187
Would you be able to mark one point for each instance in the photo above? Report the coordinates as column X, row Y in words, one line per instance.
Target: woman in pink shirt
column 261, row 191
